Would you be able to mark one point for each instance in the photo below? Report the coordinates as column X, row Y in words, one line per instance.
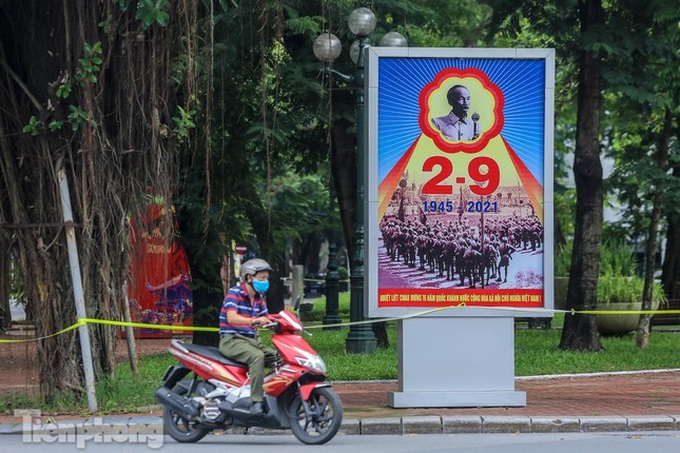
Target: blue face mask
column 261, row 286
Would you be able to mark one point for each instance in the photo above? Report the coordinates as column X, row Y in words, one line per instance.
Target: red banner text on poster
column 421, row 297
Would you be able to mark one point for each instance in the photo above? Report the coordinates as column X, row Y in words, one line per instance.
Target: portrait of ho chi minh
column 457, row 125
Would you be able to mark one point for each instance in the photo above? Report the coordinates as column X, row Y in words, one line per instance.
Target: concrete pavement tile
column 381, row 426
column 566, row 424
column 452, row 424
column 145, row 425
column 107, row 425
column 650, row 423
column 50, row 428
column 676, row 419
column 350, row 426
column 506, row 424
column 11, row 428
column 49, row 431
column 604, row 423
column 421, row 424
column 132, row 421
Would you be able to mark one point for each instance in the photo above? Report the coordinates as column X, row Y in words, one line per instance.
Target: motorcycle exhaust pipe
column 185, row 407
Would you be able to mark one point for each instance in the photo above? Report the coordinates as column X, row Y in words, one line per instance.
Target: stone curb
column 513, row 424
column 427, row 424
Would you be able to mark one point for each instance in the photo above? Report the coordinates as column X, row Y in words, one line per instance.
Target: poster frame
column 374, row 57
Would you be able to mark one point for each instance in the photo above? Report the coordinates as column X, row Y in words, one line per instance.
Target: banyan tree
column 104, row 91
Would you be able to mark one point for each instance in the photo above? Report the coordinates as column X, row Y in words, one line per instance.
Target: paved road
column 657, row 442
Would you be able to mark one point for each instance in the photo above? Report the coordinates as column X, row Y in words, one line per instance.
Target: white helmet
column 253, row 266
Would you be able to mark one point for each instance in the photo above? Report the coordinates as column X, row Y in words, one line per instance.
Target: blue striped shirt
column 237, row 300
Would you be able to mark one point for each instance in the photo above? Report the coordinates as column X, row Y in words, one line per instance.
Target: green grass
column 536, row 353
column 330, row 344
column 126, row 392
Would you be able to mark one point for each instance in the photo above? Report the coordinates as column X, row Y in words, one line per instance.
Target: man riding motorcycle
column 243, row 310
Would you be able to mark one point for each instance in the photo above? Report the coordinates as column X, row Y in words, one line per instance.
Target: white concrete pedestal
column 457, row 362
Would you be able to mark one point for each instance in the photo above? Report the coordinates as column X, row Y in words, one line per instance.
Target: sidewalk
column 575, row 403
column 611, row 402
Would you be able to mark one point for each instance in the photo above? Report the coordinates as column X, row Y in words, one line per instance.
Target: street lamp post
column 332, row 316
column 327, row 48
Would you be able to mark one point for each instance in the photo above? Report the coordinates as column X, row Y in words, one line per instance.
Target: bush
column 343, row 273
column 616, row 259
column 612, row 289
column 563, row 260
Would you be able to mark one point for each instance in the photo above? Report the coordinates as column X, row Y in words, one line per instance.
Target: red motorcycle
column 206, row 391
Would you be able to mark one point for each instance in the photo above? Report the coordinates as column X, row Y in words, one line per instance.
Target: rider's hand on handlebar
column 270, row 325
column 259, row 321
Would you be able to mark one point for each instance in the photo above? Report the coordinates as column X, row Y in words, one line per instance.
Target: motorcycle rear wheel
column 179, row 428
column 324, row 420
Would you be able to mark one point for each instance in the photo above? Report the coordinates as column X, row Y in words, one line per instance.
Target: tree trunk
column 670, row 277
column 664, row 141
column 310, row 252
column 84, row 86
column 207, row 305
column 204, row 256
column 344, row 168
column 6, row 320
column 580, row 331
column 380, row 332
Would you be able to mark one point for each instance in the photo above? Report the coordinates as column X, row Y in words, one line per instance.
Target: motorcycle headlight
column 313, row 362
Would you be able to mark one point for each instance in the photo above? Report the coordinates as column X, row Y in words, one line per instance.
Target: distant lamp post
column 327, row 48
column 393, row 39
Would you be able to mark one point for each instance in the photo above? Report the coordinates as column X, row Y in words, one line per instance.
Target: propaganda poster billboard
column 459, row 162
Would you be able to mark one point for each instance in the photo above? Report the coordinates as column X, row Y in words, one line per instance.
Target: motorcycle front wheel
column 178, row 427
column 322, row 422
